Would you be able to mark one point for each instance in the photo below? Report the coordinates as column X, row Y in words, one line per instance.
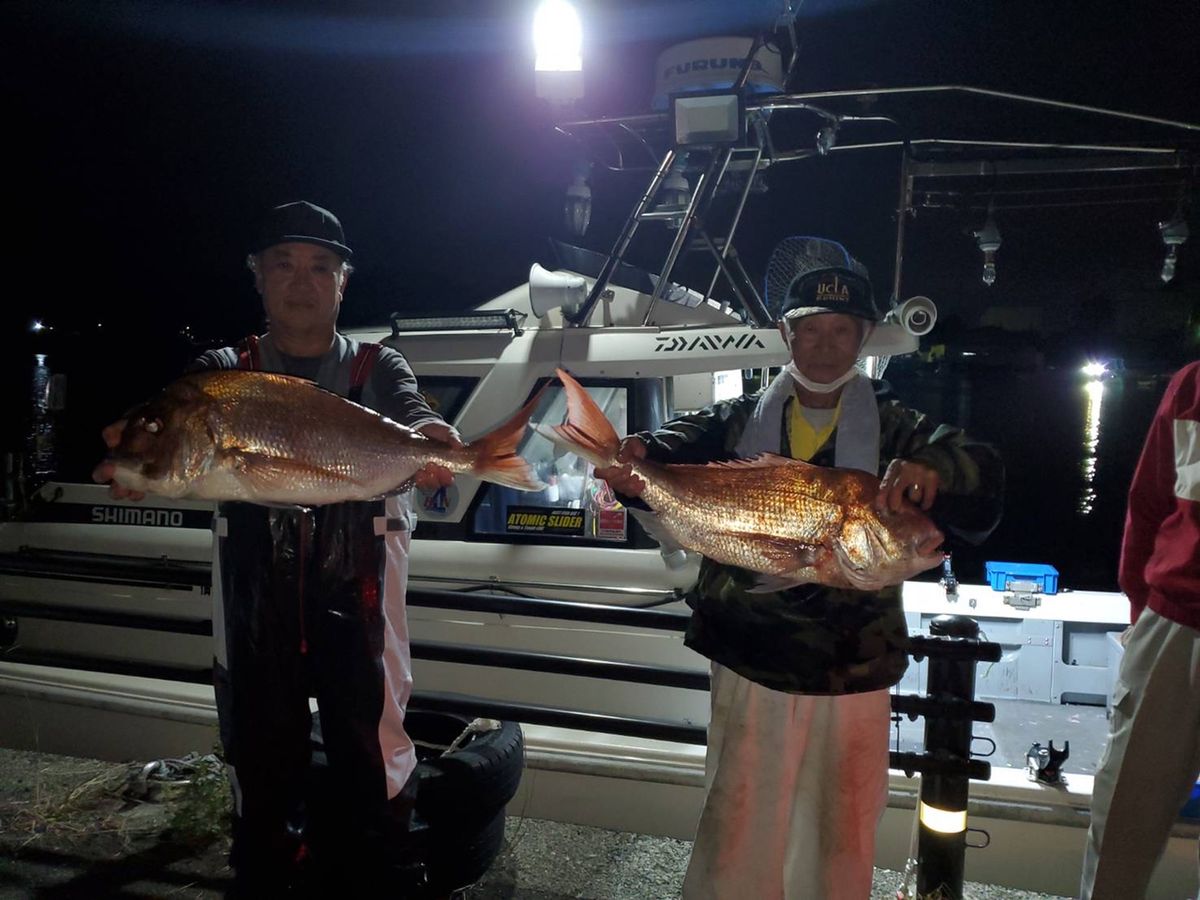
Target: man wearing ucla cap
column 797, row 759
column 311, row 602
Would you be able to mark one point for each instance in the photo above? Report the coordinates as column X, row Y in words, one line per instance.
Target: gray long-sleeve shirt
column 391, row 389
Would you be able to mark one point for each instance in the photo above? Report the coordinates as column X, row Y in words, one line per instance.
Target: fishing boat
column 556, row 607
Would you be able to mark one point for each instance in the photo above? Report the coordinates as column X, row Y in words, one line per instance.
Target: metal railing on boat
column 949, row 707
column 935, row 705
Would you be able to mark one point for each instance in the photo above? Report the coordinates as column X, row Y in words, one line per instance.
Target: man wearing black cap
column 797, row 759
column 311, row 602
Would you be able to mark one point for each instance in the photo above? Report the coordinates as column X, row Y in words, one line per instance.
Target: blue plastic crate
column 1191, row 809
column 1000, row 574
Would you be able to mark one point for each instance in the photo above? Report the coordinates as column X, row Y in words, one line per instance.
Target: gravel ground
column 73, row 828
column 552, row 861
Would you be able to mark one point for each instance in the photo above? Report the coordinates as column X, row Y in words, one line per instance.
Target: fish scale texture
column 778, row 500
column 233, row 435
column 322, row 441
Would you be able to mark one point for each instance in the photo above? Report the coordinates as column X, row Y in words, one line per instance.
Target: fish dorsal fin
column 820, row 484
column 773, row 461
column 217, row 383
column 761, row 461
column 766, row 471
column 765, row 463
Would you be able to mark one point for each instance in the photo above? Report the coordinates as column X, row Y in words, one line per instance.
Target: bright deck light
column 1094, row 369
column 946, row 821
column 557, row 37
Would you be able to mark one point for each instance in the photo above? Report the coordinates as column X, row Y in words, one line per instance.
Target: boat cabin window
column 446, row 394
column 574, row 505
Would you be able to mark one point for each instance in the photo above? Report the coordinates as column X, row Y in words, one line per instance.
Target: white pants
column 1151, row 761
column 796, row 786
column 396, row 747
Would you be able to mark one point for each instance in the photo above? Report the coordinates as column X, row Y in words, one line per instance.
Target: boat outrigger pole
column 705, row 189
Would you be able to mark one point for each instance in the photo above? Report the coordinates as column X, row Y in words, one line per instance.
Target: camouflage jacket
column 813, row 639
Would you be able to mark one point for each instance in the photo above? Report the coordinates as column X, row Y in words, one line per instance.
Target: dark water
column 1070, row 446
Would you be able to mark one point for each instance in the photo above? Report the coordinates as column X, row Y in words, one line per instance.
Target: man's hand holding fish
column 907, row 480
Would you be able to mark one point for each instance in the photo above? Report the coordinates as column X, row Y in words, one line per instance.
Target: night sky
column 145, row 138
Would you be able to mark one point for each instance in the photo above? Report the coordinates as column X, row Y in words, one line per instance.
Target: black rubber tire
column 458, row 825
column 467, row 787
column 453, row 864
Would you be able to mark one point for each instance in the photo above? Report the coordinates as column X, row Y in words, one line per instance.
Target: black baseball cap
column 830, row 290
column 304, row 222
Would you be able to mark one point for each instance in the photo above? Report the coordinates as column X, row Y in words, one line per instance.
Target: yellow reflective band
column 947, row 821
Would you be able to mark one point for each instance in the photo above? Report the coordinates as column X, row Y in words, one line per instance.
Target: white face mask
column 817, row 387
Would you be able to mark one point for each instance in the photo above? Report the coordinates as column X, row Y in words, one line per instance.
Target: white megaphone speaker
column 551, row 290
column 917, row 315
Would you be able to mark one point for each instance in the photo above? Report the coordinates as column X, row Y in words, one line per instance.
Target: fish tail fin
column 496, row 458
column 587, row 430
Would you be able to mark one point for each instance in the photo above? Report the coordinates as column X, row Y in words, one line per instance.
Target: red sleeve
column 1151, row 496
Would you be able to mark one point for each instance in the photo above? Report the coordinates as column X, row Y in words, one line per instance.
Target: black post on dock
column 942, row 806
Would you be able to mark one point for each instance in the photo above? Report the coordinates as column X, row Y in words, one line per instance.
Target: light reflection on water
column 1065, row 492
column 1093, row 392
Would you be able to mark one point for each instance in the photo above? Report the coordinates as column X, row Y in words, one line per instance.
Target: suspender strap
column 248, row 357
column 360, row 372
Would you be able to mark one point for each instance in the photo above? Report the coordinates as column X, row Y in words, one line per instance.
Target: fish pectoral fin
column 783, row 554
column 797, row 560
column 406, row 485
column 265, row 473
column 654, row 527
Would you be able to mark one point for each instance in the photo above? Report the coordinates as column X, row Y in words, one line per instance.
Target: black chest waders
column 301, row 602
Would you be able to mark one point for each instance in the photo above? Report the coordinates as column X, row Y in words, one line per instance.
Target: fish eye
column 154, row 426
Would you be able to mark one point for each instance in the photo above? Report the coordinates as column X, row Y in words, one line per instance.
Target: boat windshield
column 574, row 505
